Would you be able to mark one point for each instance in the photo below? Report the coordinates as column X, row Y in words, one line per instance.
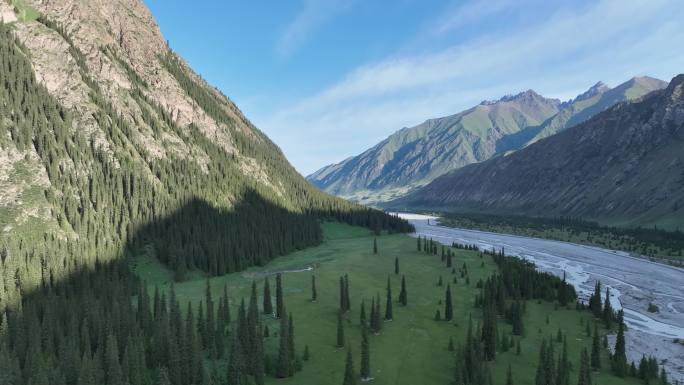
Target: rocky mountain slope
column 105, row 132
column 415, row 156
column 624, row 165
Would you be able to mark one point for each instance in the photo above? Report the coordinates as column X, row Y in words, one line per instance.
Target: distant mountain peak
column 525, row 95
column 597, row 89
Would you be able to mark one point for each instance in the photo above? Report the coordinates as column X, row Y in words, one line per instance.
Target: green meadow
column 412, row 348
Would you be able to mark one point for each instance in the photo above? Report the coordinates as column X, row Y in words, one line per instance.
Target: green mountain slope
column 412, row 157
column 623, row 166
column 108, row 138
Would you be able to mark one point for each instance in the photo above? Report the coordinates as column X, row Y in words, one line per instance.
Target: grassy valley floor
column 412, row 348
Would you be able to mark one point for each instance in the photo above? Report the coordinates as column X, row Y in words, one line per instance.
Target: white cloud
column 611, row 40
column 312, row 15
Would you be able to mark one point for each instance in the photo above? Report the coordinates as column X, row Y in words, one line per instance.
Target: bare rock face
column 126, row 28
column 116, row 48
column 7, row 14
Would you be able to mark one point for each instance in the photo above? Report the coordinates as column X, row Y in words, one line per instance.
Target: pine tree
column 448, row 306
column 620, row 356
column 344, row 305
column 418, row 243
column 403, row 296
column 292, row 351
column 362, row 318
column 235, row 374
column 396, row 265
column 280, row 304
column 365, row 355
column 284, row 359
column 595, row 350
column 340, row 330
column 349, row 375
column 314, row 293
column 267, row 304
column 388, row 304
column 608, row 314
column 584, row 377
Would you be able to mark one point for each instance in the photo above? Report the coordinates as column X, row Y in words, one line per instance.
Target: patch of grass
column 411, row 349
column 24, row 11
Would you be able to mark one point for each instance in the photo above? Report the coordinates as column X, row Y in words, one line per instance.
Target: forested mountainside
column 413, row 157
column 622, row 166
column 111, row 147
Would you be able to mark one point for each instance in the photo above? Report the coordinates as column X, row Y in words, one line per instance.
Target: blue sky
column 327, row 79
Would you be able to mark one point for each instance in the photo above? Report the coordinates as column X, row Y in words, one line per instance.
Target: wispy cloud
column 313, row 14
column 610, row 40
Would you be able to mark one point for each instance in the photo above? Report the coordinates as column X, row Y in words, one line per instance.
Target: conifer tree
column 235, row 374
column 584, row 376
column 448, row 306
column 396, row 265
column 347, row 301
column 418, row 242
column 362, row 318
column 388, row 304
column 284, row 359
column 314, row 293
column 563, row 376
column 403, row 296
column 595, row 350
column 608, row 314
column 280, row 304
column 267, row 304
column 378, row 322
column 292, row 351
column 349, row 375
column 620, row 356
column 365, row 355
column 375, row 245
column 340, row 330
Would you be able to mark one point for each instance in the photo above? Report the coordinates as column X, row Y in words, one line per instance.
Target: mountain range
column 413, row 157
column 623, row 166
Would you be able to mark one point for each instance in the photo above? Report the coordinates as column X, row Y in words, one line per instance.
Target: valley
column 634, row 282
column 412, row 347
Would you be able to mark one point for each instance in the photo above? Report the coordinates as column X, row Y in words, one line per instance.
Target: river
column 634, row 283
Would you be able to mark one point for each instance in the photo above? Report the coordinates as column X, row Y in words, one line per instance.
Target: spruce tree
column 284, row 359
column 403, row 296
column 314, row 293
column 362, row 318
column 267, row 304
column 595, row 350
column 292, row 351
column 448, row 306
column 584, row 375
column 365, row 355
column 349, row 375
column 620, row 356
column 235, row 369
column 608, row 314
column 280, row 304
column 388, row 304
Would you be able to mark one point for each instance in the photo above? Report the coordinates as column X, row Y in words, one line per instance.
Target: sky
column 328, row 79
